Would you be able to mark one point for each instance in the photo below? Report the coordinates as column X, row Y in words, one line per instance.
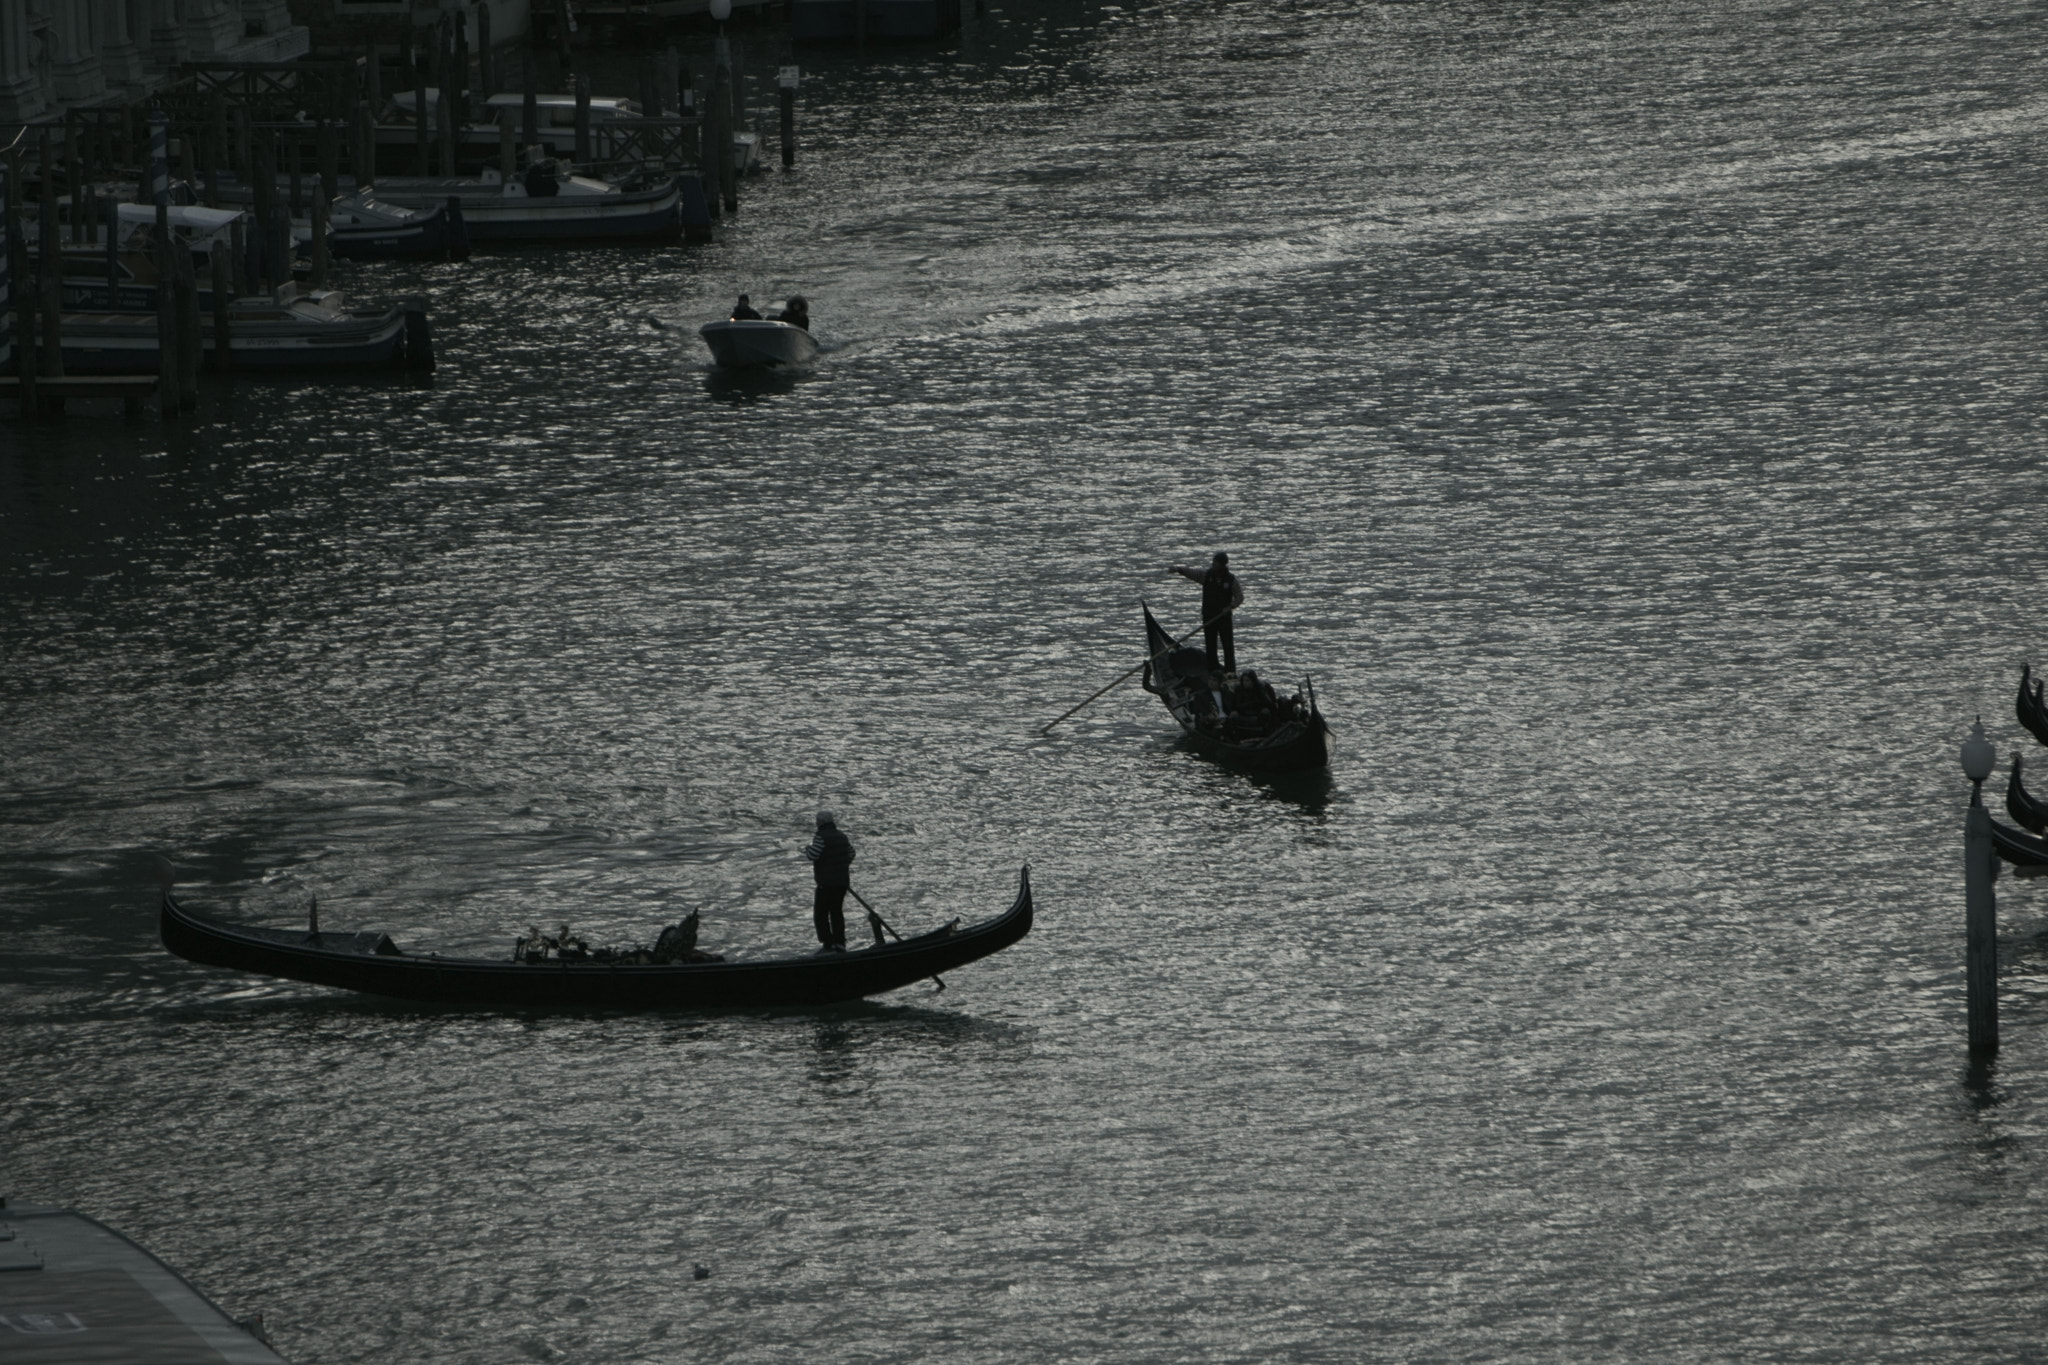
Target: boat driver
column 744, row 311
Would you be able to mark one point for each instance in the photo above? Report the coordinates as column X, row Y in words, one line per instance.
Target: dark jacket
column 1220, row 593
column 743, row 313
column 831, row 855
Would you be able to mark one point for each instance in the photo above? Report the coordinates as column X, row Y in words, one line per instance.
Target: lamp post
column 1980, row 866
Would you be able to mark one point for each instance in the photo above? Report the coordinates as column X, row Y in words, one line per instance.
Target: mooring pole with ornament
column 1980, row 920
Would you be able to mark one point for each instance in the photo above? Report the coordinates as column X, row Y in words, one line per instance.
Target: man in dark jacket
column 743, row 311
column 1221, row 595
column 831, row 855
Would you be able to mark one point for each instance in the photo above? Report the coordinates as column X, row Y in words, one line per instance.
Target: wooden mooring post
column 21, row 291
column 50, row 259
column 529, row 102
column 785, row 84
column 223, row 307
column 486, row 60
column 582, row 118
column 1980, row 925
column 722, row 110
column 166, row 287
column 444, row 111
column 188, row 328
column 419, row 113
column 366, row 167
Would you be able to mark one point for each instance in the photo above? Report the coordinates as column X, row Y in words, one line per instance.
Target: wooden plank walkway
column 131, row 389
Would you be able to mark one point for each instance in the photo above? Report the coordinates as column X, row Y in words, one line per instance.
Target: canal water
column 1628, row 416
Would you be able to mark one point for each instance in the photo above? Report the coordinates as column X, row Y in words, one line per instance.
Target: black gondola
column 2031, row 707
column 2020, row 803
column 371, row 963
column 1180, row 678
column 2021, row 850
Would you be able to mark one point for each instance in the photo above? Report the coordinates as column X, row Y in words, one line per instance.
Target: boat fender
column 419, row 336
column 541, row 182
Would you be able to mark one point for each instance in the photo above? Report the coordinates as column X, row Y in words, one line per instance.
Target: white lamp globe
column 1978, row 755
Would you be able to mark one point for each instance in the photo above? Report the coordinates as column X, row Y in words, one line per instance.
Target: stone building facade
column 61, row 54
column 351, row 25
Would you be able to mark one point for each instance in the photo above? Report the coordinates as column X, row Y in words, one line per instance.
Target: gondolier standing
column 831, row 855
column 1221, row 595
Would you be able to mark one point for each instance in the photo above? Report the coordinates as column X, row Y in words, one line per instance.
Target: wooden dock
column 131, row 389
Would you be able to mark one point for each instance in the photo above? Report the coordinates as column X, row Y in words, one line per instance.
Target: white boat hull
column 752, row 345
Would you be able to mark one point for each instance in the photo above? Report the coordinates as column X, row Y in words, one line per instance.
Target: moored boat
column 613, row 119
column 76, row 1292
column 2021, row 805
column 2031, row 706
column 546, row 206
column 373, row 964
column 758, row 343
column 361, row 226
column 294, row 331
column 1291, row 737
column 2021, row 850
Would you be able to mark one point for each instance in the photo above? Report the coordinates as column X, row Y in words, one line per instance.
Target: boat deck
column 75, row 1292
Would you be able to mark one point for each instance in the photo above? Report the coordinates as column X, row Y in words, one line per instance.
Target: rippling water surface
column 1628, row 415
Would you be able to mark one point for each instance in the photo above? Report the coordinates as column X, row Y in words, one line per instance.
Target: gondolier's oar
column 877, row 918
column 1148, row 659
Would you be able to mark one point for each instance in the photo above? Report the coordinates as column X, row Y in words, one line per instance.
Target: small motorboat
column 744, row 344
column 1288, row 738
column 548, row 203
column 361, row 226
column 291, row 330
column 370, row 962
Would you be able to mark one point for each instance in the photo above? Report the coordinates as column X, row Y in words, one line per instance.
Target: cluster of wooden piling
column 257, row 137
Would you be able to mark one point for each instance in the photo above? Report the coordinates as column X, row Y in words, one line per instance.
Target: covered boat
column 757, row 343
column 1249, row 731
column 372, row 963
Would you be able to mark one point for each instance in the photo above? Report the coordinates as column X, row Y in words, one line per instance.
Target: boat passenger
column 831, row 855
column 1218, row 697
column 795, row 312
column 744, row 311
column 1221, row 595
column 1255, row 695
